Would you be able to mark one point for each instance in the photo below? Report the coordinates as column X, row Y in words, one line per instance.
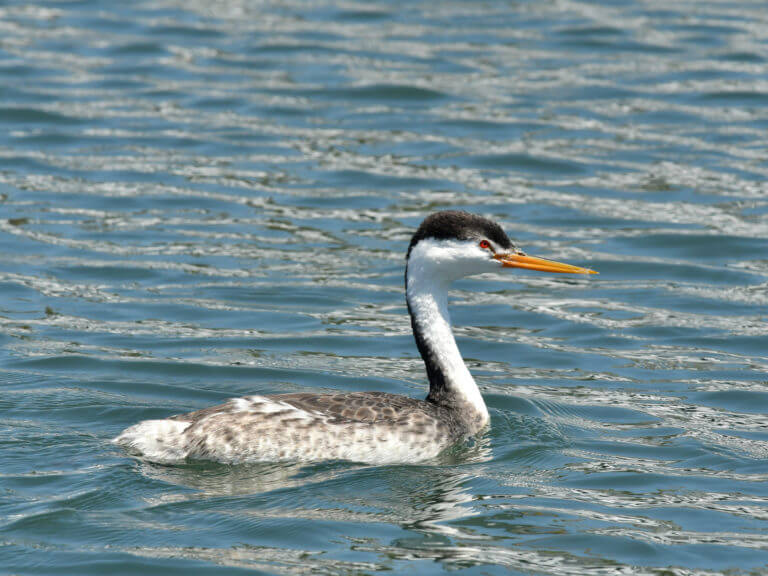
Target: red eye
column 485, row 244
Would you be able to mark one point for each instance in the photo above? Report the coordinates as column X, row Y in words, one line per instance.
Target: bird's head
column 452, row 244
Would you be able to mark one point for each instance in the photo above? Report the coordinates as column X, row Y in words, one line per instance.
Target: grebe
column 369, row 427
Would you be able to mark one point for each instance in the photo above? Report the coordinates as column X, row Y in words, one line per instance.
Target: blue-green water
column 206, row 199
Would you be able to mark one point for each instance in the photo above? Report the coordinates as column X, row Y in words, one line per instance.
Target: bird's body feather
column 373, row 427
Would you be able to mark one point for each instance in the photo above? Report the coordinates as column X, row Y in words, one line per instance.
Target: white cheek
column 450, row 259
column 476, row 261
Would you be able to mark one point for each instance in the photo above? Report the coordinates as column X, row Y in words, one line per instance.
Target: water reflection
column 433, row 501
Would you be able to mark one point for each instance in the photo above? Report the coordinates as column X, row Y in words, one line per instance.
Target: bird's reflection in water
column 209, row 479
column 433, row 504
column 430, row 505
column 428, row 498
column 419, row 497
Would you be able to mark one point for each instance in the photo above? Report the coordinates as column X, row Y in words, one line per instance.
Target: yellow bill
column 541, row 264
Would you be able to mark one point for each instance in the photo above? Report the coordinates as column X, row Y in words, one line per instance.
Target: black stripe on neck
column 439, row 389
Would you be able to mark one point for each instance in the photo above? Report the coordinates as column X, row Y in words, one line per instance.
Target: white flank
column 156, row 440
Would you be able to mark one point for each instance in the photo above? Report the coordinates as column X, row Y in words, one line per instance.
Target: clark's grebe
column 372, row 427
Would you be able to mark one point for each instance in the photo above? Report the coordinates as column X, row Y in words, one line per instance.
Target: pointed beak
column 542, row 264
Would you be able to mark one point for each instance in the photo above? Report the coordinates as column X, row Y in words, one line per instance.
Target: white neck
column 451, row 384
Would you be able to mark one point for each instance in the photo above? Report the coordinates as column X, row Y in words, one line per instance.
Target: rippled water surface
column 200, row 200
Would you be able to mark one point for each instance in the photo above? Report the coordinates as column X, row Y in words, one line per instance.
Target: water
column 207, row 199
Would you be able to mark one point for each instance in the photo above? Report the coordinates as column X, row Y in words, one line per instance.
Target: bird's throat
column 450, row 383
